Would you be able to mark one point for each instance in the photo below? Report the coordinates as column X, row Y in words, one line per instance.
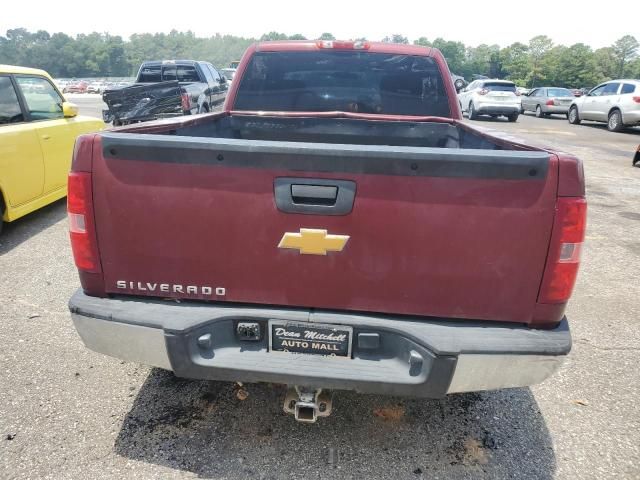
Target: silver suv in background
column 616, row 102
column 490, row 97
column 547, row 100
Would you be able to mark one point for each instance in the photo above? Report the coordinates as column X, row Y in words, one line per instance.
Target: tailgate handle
column 315, row 196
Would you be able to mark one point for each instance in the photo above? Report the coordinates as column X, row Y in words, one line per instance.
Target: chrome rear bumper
column 414, row 357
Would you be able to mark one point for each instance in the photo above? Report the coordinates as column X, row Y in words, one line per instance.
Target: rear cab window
column 182, row 73
column 163, row 73
column 150, row 74
column 500, row 87
column 351, row 81
column 10, row 111
column 42, row 99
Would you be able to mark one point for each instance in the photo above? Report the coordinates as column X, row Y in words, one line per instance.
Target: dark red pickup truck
column 337, row 226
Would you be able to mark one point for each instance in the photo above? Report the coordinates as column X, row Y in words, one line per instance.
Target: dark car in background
column 167, row 88
column 545, row 101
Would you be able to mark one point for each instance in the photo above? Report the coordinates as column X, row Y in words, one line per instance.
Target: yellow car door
column 55, row 136
column 21, row 162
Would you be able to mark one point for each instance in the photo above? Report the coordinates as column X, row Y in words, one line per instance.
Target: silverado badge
column 312, row 241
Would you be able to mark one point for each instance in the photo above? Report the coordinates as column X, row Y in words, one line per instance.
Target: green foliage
column 326, row 36
column 271, row 36
column 101, row 54
column 515, row 62
column 624, row 51
column 396, row 38
column 481, row 60
column 422, row 41
column 538, row 48
column 634, row 68
column 577, row 67
column 454, row 52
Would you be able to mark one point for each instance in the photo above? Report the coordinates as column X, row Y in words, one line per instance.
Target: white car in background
column 228, row 73
column 490, row 97
column 96, row 87
column 616, row 102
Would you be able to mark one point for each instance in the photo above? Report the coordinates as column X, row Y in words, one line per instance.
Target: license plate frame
column 301, row 327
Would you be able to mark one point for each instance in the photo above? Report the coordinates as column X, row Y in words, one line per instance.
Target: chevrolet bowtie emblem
column 312, row 241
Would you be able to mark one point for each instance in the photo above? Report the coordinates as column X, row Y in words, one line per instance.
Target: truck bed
column 331, row 130
column 442, row 221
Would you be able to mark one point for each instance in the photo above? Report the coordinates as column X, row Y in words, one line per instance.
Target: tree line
column 537, row 62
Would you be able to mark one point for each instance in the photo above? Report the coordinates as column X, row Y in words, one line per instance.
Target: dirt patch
column 475, row 452
column 392, row 413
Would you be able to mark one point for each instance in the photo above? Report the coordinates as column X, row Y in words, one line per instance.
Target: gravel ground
column 66, row 412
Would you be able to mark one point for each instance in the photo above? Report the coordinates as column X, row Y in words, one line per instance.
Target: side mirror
column 223, row 79
column 69, row 109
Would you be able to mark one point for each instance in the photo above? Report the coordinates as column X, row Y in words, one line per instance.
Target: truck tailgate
column 142, row 101
column 457, row 233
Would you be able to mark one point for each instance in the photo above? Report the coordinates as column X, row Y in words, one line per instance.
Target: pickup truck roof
column 150, row 63
column 379, row 47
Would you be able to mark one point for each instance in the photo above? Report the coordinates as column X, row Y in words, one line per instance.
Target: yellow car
column 38, row 128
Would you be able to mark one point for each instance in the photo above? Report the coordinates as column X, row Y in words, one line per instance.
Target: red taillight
column 636, row 99
column 564, row 254
column 339, row 44
column 550, row 102
column 483, row 91
column 186, row 103
column 81, row 228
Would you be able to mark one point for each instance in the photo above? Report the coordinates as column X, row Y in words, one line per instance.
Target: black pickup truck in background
column 166, row 88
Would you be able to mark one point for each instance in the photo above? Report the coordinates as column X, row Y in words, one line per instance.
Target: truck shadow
column 203, row 428
column 22, row 229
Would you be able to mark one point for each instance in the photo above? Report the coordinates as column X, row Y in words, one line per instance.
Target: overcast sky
column 472, row 22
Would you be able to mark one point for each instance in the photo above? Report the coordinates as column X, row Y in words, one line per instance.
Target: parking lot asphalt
column 88, row 103
column 66, row 412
